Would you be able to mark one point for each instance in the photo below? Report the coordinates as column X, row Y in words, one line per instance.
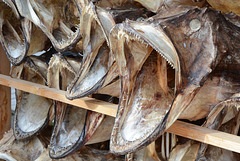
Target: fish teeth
column 6, row 3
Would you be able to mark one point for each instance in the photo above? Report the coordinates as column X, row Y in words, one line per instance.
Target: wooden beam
column 205, row 135
column 5, row 96
column 59, row 95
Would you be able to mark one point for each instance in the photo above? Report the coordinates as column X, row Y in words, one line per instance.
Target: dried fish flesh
column 226, row 6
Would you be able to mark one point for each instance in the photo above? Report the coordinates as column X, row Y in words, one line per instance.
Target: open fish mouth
column 59, row 20
column 97, row 60
column 198, row 55
column 13, row 39
column 142, row 51
column 19, row 37
column 32, row 111
column 96, row 54
column 73, row 126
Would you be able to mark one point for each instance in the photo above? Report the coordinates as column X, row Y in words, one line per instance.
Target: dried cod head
column 13, row 150
column 97, row 60
column 73, row 126
column 206, row 49
column 59, row 20
column 17, row 35
column 225, row 116
column 141, row 51
column 32, row 111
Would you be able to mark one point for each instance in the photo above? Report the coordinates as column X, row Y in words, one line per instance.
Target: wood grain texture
column 205, row 135
column 5, row 96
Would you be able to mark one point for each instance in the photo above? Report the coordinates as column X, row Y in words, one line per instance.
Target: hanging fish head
column 149, row 70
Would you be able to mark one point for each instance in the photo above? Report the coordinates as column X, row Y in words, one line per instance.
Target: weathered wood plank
column 205, row 135
column 5, row 96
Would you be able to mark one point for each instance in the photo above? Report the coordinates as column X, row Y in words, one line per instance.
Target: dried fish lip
column 60, row 25
column 132, row 44
column 32, row 111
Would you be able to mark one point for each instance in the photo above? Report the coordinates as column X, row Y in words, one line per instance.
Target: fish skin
column 203, row 54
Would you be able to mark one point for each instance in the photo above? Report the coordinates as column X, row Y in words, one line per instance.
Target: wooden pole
column 5, row 96
column 202, row 134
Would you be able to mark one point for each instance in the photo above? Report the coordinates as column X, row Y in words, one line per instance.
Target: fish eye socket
column 195, row 24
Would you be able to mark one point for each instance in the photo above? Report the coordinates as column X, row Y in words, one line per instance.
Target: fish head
column 59, row 20
column 14, row 41
column 203, row 41
column 144, row 54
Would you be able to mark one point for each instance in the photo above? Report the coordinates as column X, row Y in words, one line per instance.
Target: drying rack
column 198, row 133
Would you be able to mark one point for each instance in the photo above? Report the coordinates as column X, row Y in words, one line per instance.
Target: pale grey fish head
column 59, row 20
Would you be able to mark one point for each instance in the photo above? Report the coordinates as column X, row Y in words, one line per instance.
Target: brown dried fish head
column 205, row 43
column 97, row 59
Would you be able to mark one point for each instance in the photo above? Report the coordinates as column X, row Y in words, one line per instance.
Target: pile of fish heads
column 164, row 60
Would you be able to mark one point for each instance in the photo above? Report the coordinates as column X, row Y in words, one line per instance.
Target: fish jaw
column 132, row 47
column 15, row 42
column 73, row 126
column 27, row 122
column 96, row 54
